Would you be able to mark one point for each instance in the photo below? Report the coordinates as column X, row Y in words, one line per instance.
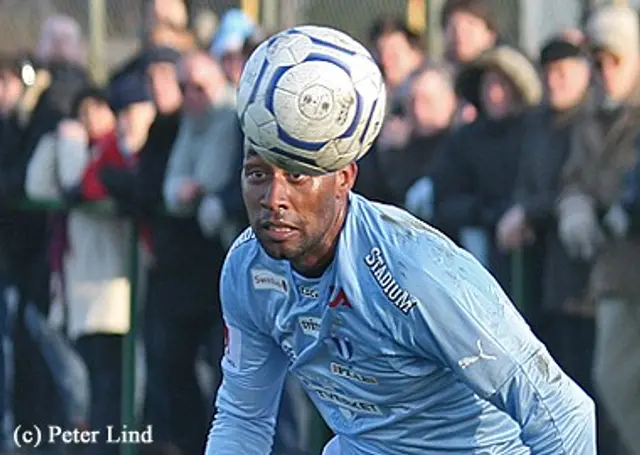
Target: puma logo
column 466, row 362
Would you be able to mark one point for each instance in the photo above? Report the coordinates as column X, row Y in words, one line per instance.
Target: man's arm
column 179, row 172
column 467, row 322
column 254, row 369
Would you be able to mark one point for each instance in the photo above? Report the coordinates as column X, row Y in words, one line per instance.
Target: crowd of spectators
column 508, row 154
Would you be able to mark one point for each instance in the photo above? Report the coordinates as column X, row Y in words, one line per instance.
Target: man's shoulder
column 399, row 250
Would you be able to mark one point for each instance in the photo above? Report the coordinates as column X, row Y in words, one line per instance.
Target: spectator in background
column 431, row 114
column 61, row 53
column 564, row 320
column 201, row 184
column 96, row 292
column 474, row 176
column 469, row 29
column 227, row 45
column 596, row 213
column 399, row 53
column 164, row 24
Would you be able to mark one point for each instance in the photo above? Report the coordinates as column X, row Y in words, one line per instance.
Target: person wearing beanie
column 598, row 209
column 564, row 317
column 469, row 29
column 475, row 173
column 227, row 45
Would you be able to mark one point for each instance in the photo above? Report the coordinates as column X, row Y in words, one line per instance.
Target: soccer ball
column 311, row 100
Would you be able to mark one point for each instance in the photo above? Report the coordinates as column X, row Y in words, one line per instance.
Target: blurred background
column 513, row 126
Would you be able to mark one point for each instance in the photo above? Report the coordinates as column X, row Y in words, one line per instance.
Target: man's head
column 614, row 35
column 227, row 44
column 469, row 29
column 433, row 99
column 166, row 13
column 61, row 40
column 91, row 108
column 295, row 217
column 162, row 76
column 566, row 71
column 397, row 48
column 12, row 86
column 202, row 82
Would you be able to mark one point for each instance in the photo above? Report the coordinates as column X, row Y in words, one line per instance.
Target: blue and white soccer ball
column 311, row 100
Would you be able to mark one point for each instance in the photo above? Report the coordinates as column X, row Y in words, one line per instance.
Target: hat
column 509, row 61
column 161, row 55
column 129, row 90
column 614, row 29
column 558, row 49
column 234, row 29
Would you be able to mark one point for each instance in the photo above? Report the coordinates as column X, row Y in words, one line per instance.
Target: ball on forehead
column 311, row 100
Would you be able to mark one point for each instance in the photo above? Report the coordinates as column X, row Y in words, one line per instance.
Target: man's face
column 497, row 94
column 163, row 80
column 433, row 103
column 294, row 216
column 200, row 80
column 619, row 74
column 567, row 81
column 467, row 36
column 397, row 57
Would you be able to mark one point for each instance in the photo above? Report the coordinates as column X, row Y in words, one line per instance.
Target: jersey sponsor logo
column 233, row 347
column 346, row 372
column 399, row 297
column 344, row 346
column 466, row 362
column 310, row 325
column 344, row 401
column 340, row 300
column 268, row 281
column 308, row 292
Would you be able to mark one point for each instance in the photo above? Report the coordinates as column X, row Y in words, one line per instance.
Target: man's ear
column 346, row 178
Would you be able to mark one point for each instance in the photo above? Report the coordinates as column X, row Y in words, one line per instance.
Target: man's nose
column 276, row 197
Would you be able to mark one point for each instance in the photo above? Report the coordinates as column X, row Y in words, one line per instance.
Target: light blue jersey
column 406, row 345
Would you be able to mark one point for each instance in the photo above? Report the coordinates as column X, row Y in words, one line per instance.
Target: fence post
column 97, row 40
column 129, row 347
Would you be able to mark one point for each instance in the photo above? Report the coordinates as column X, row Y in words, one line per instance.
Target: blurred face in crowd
column 97, row 117
column 295, row 217
column 11, row 90
column 232, row 65
column 497, row 94
column 567, row 81
column 467, row 36
column 398, row 58
column 165, row 89
column 134, row 122
column 433, row 103
column 619, row 73
column 202, row 80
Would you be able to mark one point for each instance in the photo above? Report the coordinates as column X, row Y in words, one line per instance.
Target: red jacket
column 108, row 154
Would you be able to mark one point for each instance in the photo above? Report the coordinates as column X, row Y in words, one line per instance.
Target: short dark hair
column 479, row 8
column 386, row 25
column 90, row 92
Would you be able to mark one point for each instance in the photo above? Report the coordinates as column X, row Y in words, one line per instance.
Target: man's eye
column 295, row 177
column 255, row 174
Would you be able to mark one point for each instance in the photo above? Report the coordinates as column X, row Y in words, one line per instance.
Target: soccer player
column 404, row 343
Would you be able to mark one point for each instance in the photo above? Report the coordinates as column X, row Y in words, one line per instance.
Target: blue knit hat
column 129, row 90
column 234, row 29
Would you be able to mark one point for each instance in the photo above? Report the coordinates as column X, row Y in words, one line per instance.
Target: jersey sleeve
column 253, row 369
column 467, row 323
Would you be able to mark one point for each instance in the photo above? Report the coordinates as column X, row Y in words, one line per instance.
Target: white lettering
column 399, row 297
column 346, row 372
column 310, row 325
